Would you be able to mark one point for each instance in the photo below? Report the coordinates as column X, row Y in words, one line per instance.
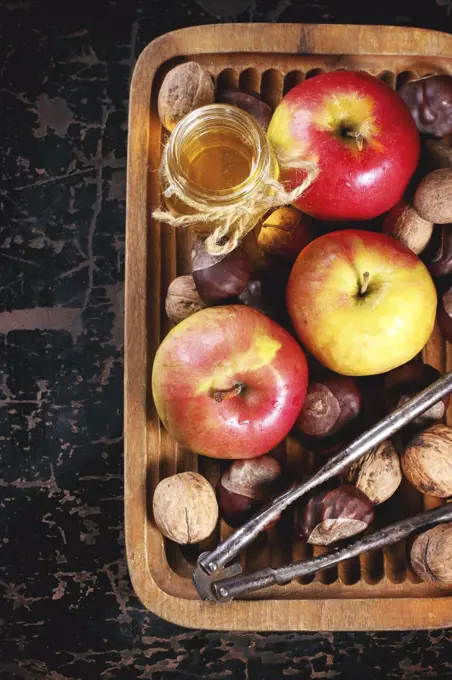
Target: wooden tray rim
column 263, row 615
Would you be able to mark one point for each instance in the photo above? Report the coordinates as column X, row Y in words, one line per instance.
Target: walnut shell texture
column 182, row 299
column 404, row 224
column 427, row 461
column 185, row 507
column 432, row 198
column 431, row 554
column 185, row 88
column 378, row 474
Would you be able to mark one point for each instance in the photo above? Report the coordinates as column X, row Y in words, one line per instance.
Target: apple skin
column 210, row 353
column 314, row 122
column 356, row 333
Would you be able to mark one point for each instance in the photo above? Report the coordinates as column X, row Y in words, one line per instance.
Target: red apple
column 361, row 302
column 358, row 132
column 228, row 382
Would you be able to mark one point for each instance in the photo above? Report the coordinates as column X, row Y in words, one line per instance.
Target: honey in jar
column 217, row 156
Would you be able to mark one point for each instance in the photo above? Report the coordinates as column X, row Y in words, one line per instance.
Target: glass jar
column 217, row 157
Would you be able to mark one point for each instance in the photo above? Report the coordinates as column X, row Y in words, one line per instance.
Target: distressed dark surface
column 68, row 610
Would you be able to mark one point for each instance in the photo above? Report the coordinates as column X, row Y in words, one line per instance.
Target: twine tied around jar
column 235, row 221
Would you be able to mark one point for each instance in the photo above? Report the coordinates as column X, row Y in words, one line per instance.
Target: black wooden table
column 68, row 610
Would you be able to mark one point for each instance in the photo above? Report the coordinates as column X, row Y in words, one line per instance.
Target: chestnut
column 333, row 515
column 251, row 103
column 256, row 296
column 279, row 453
column 329, row 406
column 265, row 291
column 371, row 390
column 429, row 100
column 439, row 256
column 444, row 316
column 285, row 232
column 404, row 382
column 437, row 154
column 219, row 278
column 245, row 486
column 434, row 413
column 408, row 378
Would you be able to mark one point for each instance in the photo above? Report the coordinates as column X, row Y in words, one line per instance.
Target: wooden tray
column 379, row 590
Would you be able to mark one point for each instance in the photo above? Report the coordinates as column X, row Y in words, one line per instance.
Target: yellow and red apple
column 361, row 302
column 358, row 132
column 228, row 382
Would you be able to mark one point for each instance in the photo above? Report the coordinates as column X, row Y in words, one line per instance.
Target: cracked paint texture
column 67, row 608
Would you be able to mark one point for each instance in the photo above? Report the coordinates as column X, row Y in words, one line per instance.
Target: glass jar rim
column 233, row 117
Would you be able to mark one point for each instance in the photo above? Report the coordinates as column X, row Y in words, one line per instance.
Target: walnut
column 185, row 508
column 182, row 299
column 404, row 224
column 432, row 198
column 185, row 88
column 431, row 554
column 378, row 473
column 427, row 461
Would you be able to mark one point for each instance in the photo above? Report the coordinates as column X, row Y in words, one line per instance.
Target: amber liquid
column 217, row 160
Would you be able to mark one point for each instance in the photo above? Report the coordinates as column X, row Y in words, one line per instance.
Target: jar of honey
column 217, row 158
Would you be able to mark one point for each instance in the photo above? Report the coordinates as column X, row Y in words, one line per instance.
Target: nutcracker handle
column 227, row 589
column 212, row 562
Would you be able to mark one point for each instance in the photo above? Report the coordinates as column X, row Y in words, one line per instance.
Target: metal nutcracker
column 218, row 578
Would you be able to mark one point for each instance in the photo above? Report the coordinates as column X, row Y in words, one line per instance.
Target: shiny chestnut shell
column 429, row 100
column 438, row 256
column 265, row 291
column 334, row 515
column 219, row 278
column 329, row 405
column 251, row 103
column 403, row 382
column 245, row 486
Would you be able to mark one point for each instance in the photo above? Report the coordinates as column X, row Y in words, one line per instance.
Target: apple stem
column 222, row 395
column 364, row 283
column 358, row 137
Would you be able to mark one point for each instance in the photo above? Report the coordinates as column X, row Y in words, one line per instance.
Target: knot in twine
column 235, row 221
